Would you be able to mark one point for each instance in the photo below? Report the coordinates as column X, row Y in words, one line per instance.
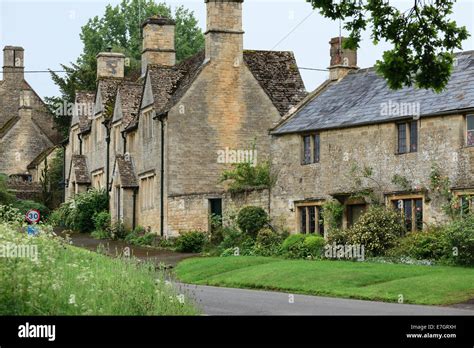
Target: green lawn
column 363, row 280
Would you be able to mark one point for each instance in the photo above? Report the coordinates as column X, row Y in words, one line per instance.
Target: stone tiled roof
column 130, row 95
column 125, row 169
column 79, row 166
column 278, row 74
column 108, row 89
column 40, row 158
column 84, row 109
column 358, row 99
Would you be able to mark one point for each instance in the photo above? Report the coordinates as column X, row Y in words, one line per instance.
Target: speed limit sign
column 33, row 216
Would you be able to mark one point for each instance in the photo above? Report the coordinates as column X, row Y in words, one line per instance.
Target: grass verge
column 432, row 285
column 65, row 280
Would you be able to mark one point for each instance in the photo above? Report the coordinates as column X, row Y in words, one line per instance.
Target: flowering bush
column 10, row 214
column 377, row 230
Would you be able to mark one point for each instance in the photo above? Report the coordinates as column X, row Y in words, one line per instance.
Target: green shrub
column 302, row 246
column 423, row 245
column 76, row 214
column 338, row 236
column 251, row 220
column 378, row 230
column 102, row 221
column 459, row 236
column 333, row 212
column 268, row 243
column 216, row 236
column 314, row 246
column 25, row 205
column 9, row 214
column 191, row 242
column 100, row 234
column 140, row 237
column 232, row 238
column 118, row 231
column 6, row 197
column 229, row 252
column 293, row 246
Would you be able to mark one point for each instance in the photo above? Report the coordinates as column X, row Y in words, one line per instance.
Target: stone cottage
column 27, row 133
column 353, row 138
column 157, row 143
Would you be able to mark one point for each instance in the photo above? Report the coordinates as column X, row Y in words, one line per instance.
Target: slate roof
column 357, row 99
column 84, row 104
column 79, row 166
column 130, row 94
column 125, row 169
column 276, row 72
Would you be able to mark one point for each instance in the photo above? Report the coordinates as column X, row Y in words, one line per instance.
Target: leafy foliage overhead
column 423, row 37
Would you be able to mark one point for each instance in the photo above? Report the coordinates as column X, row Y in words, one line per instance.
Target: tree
column 423, row 38
column 120, row 29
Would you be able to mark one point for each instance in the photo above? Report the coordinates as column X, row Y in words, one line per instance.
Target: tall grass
column 65, row 280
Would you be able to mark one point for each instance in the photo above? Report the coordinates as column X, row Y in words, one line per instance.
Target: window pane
column 414, row 136
column 470, row 122
column 407, row 205
column 470, row 138
column 419, row 214
column 465, row 205
column 303, row 219
column 307, row 149
column 316, row 147
column 312, row 219
column 355, row 212
column 402, row 138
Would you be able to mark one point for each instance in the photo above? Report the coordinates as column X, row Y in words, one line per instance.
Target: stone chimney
column 110, row 64
column 224, row 34
column 342, row 60
column 13, row 63
column 158, row 42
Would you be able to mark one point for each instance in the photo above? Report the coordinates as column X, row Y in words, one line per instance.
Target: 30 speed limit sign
column 33, row 216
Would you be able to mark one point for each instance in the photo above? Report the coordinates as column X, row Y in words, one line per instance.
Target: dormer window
column 148, row 132
column 98, row 130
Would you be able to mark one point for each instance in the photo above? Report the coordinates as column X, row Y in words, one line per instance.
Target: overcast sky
column 49, row 32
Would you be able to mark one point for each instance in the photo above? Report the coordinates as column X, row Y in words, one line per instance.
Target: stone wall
column 192, row 212
column 441, row 141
